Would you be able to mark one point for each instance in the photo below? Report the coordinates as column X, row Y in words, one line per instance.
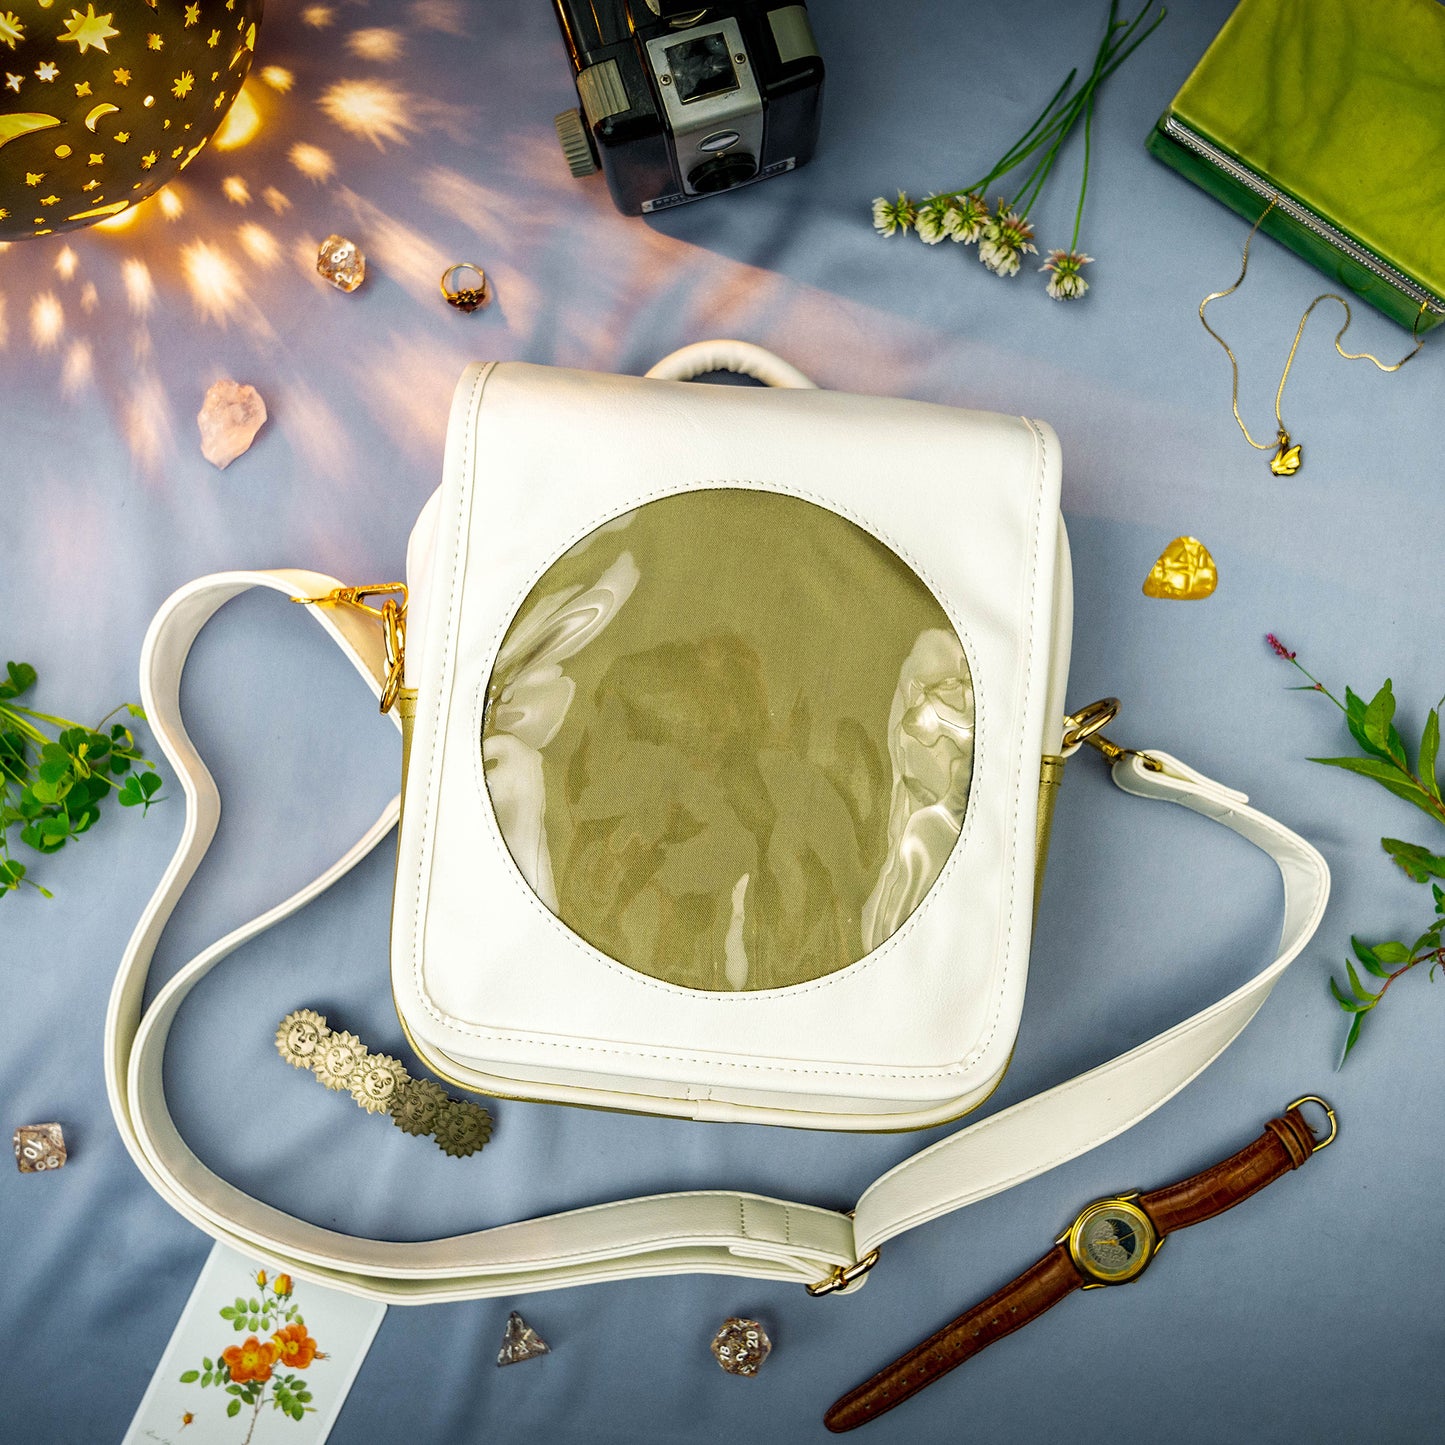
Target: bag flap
column 538, row 460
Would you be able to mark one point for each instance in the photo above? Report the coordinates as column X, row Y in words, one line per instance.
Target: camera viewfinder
column 702, row 67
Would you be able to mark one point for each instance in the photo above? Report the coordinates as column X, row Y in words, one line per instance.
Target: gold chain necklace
column 1288, row 456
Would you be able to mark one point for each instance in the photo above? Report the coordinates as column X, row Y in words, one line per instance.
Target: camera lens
column 720, row 172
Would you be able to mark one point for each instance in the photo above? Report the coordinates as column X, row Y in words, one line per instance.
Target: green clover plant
column 55, row 776
column 1383, row 757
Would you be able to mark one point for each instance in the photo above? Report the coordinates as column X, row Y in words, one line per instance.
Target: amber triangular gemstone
column 1185, row 572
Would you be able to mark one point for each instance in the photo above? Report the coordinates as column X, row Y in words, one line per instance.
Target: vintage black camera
column 680, row 102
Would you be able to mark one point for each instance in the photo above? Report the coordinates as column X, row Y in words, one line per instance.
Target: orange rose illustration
column 295, row 1347
column 252, row 1360
column 257, row 1373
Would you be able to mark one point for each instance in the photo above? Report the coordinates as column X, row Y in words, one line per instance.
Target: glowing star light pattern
column 217, row 248
column 89, row 30
column 109, row 101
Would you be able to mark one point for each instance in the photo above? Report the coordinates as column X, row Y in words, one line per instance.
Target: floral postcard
column 257, row 1359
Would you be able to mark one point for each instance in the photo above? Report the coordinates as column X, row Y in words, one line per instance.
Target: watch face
column 1113, row 1241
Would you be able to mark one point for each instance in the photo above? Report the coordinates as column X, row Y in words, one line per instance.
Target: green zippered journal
column 1336, row 110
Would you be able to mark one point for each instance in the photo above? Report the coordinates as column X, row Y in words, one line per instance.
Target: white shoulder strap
column 701, row 1232
column 1074, row 1117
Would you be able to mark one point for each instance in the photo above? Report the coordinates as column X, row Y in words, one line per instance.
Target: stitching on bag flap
column 1030, row 673
column 447, row 661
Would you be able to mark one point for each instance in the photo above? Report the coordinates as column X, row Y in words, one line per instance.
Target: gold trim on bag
column 1051, row 777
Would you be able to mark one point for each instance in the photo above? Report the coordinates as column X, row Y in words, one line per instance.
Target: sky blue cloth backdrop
column 1312, row 1314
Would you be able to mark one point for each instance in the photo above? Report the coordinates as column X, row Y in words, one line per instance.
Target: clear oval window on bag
column 728, row 740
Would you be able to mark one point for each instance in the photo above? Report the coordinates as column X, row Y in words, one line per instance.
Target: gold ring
column 466, row 298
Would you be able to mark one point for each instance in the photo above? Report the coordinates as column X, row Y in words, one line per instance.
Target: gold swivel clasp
column 392, row 616
column 1086, row 726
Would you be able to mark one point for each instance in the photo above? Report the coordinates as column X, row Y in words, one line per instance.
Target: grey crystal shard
column 521, row 1342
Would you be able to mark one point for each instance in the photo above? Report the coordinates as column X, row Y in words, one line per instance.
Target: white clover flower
column 893, row 216
column 932, row 220
column 1065, row 282
column 1005, row 239
column 966, row 218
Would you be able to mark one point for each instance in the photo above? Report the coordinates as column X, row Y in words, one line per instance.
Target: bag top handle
column 742, row 357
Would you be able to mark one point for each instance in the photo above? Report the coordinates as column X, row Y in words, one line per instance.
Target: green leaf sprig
column 55, row 775
column 1384, row 759
column 1428, row 948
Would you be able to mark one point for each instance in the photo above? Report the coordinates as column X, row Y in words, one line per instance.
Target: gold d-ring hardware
column 842, row 1276
column 1330, row 1114
column 1086, row 725
column 392, row 616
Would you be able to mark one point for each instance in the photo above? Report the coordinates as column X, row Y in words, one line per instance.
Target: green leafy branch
column 56, row 774
column 1386, row 760
column 1372, row 726
column 1428, row 948
column 289, row 1393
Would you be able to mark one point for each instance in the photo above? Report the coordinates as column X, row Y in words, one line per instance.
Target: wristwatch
column 1111, row 1242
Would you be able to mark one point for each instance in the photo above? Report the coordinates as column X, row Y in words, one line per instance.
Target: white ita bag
column 729, row 765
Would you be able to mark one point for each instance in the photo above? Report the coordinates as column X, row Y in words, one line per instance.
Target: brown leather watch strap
column 1053, row 1278
column 1285, row 1144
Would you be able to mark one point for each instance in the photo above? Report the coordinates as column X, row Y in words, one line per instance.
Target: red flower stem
column 1315, row 682
column 1438, row 954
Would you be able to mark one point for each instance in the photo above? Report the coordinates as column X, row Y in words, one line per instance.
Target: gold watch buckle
column 391, row 615
column 843, row 1275
column 1086, row 726
column 1329, row 1114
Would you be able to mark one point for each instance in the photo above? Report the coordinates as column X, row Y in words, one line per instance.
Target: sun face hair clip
column 466, row 298
column 380, row 1084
